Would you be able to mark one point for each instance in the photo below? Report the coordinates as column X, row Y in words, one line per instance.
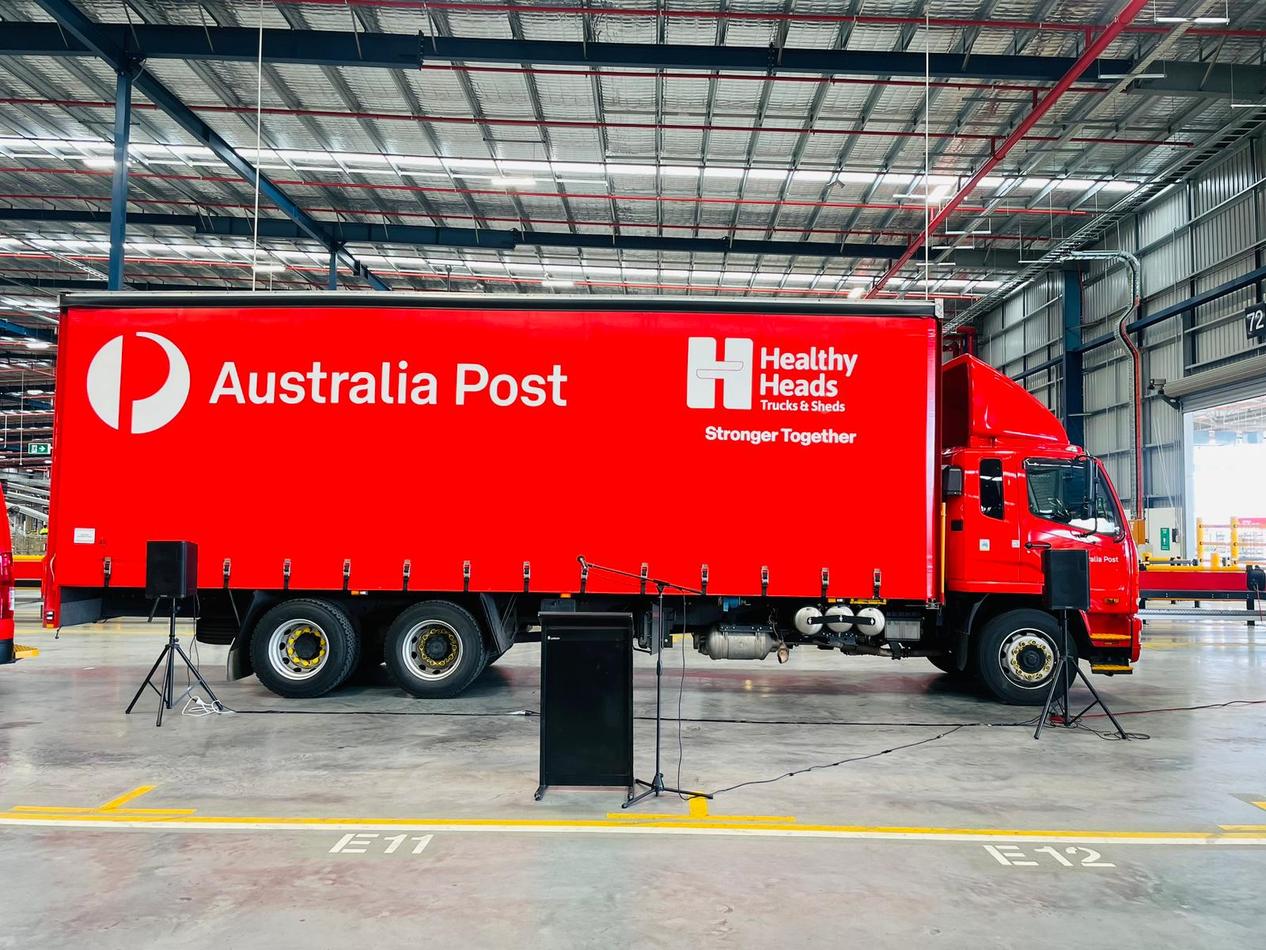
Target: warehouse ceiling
column 751, row 147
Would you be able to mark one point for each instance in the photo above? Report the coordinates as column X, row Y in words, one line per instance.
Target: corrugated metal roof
column 652, row 152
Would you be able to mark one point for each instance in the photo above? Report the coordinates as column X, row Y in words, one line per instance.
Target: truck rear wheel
column 434, row 650
column 304, row 648
column 1015, row 655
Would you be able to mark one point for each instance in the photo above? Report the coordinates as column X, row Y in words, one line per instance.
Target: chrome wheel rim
column 1027, row 658
column 432, row 650
column 298, row 649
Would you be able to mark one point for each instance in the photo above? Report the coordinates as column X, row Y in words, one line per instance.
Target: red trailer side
column 510, row 439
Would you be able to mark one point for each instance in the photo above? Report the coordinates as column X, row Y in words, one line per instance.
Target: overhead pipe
column 1043, row 105
column 1128, row 315
column 777, row 16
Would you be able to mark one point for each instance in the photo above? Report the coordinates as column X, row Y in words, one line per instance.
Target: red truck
column 7, row 651
column 414, row 479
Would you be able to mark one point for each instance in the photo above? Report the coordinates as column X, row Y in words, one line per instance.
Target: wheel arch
column 983, row 609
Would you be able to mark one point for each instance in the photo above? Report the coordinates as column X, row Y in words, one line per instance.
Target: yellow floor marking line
column 114, row 805
column 126, row 797
column 698, row 809
column 113, row 815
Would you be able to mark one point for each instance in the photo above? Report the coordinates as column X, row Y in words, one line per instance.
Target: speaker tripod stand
column 166, row 697
column 656, row 786
column 1066, row 673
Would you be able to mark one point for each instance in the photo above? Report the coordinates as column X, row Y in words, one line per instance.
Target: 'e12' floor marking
column 1013, row 856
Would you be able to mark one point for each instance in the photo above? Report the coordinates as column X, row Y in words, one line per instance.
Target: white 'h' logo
column 703, row 369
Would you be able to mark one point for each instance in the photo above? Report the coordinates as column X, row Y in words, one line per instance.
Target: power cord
column 836, row 764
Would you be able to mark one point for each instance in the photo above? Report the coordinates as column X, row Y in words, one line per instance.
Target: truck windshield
column 1058, row 491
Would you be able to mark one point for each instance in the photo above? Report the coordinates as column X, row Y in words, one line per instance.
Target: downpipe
column 1127, row 317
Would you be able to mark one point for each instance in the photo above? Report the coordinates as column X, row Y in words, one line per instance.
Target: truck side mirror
column 951, row 481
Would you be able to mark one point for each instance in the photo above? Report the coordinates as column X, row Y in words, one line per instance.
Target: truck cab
column 1020, row 490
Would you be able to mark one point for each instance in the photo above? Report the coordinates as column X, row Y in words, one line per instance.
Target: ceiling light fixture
column 511, row 182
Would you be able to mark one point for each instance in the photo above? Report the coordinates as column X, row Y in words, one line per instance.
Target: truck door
column 1059, row 514
column 990, row 539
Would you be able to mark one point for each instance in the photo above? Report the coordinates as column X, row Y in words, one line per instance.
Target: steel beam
column 377, row 50
column 372, row 233
column 344, row 232
column 1073, row 386
column 118, row 185
column 9, row 328
column 101, row 40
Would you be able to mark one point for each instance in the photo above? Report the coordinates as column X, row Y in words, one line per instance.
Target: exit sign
column 39, row 448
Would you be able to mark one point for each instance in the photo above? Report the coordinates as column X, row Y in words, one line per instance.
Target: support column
column 118, row 190
column 1073, row 402
column 331, row 279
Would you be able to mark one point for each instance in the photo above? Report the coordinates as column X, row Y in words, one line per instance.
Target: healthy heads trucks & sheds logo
column 775, row 380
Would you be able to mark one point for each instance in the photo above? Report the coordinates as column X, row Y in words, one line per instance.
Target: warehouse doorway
column 1226, row 469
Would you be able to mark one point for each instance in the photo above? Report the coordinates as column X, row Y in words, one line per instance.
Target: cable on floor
column 836, row 764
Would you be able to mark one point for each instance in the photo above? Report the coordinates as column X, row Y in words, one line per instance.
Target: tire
column 1015, row 655
column 434, row 650
column 304, row 648
column 948, row 663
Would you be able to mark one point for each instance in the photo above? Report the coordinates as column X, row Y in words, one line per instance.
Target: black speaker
column 1067, row 579
column 586, row 699
column 171, row 569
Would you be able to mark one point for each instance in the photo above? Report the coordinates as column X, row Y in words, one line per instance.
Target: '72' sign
column 1255, row 322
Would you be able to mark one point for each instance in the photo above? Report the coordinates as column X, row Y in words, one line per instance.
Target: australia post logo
column 147, row 413
column 113, row 384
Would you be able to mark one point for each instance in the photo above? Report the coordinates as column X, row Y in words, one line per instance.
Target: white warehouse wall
column 1197, row 234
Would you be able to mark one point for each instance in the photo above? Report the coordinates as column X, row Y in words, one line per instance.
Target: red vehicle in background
column 412, row 479
column 7, row 653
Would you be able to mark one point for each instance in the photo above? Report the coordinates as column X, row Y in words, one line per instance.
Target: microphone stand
column 655, row 786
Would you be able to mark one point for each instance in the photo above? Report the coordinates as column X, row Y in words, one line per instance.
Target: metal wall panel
column 1192, row 237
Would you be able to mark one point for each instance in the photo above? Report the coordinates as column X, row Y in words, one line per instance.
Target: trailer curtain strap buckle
column 878, row 582
column 228, row 567
column 764, row 581
column 405, row 571
column 643, row 574
column 527, row 575
column 347, row 573
column 106, row 569
column 703, row 579
column 584, row 576
column 826, row 582
column 466, row 576
column 285, row 574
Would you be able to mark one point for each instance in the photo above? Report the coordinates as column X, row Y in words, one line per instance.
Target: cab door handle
column 1037, row 545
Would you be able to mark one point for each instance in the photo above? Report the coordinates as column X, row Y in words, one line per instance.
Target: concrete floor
column 983, row 838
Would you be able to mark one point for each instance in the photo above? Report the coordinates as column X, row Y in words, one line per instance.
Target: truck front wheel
column 1016, row 653
column 304, row 648
column 434, row 650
